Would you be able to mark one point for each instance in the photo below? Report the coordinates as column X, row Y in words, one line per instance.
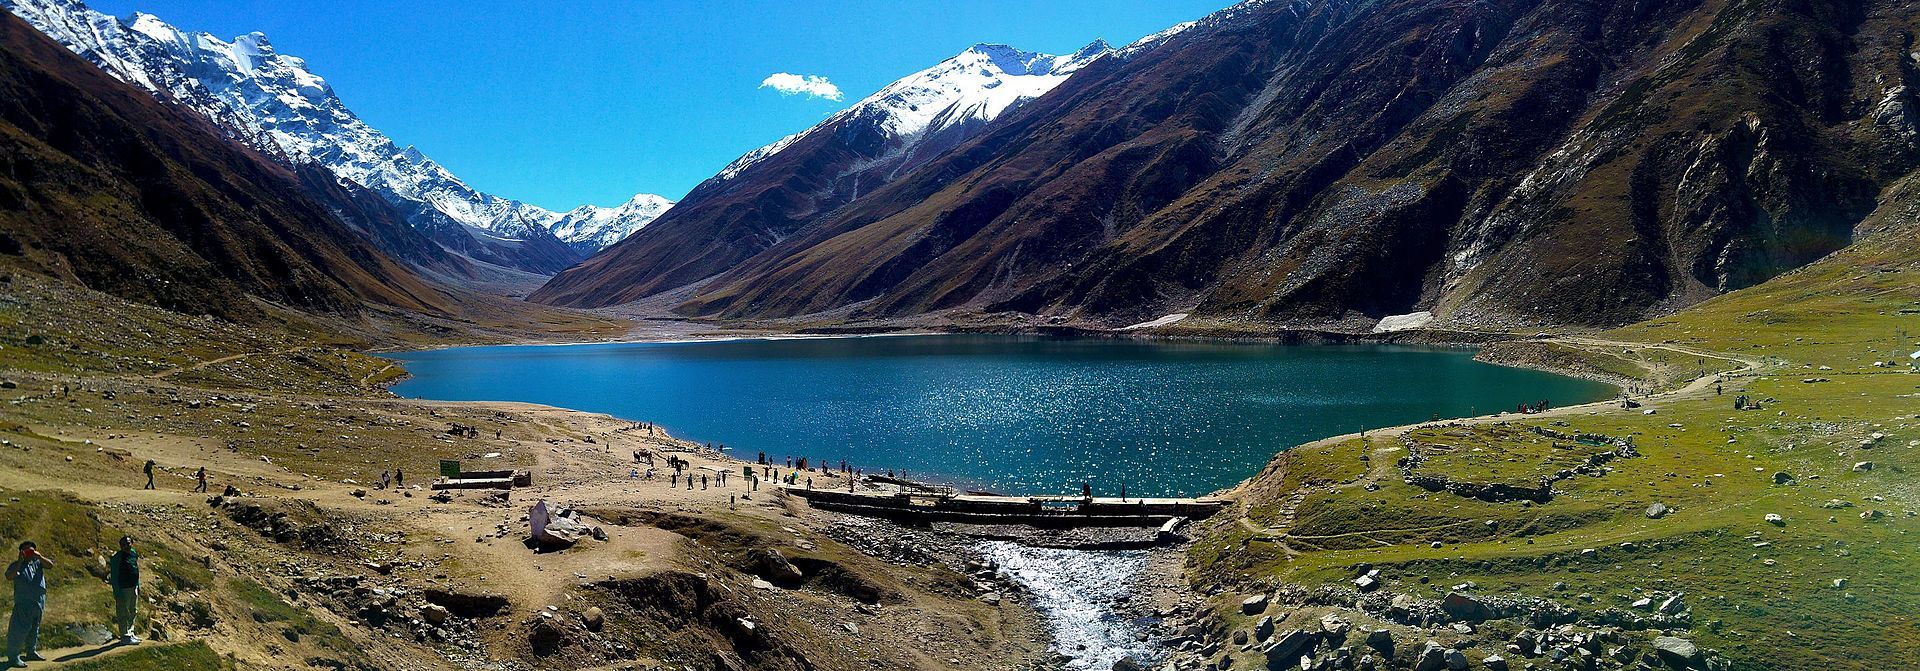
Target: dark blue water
column 1006, row 413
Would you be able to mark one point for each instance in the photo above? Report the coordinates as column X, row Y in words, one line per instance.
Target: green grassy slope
column 1765, row 595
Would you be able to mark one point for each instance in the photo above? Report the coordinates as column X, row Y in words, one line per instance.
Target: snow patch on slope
column 1162, row 321
column 1406, row 322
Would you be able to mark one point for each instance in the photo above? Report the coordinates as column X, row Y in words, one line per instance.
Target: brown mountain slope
column 730, row 218
column 1332, row 162
column 380, row 222
column 723, row 222
column 103, row 185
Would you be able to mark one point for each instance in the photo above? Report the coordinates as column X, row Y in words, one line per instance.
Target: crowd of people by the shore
column 790, row 471
column 28, row 573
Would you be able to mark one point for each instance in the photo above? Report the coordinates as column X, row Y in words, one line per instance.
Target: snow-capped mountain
column 590, row 228
column 274, row 103
column 777, row 191
column 973, row 87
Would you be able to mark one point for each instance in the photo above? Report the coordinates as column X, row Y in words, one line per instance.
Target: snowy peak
column 975, row 86
column 1013, row 62
column 986, row 78
column 273, row 102
column 591, row 227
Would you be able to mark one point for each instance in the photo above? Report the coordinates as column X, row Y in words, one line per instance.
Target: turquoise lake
column 1010, row 414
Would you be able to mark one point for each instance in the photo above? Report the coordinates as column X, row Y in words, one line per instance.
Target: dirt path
column 214, row 362
column 64, row 657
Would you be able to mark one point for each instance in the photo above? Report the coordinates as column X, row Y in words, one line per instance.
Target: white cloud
column 814, row 86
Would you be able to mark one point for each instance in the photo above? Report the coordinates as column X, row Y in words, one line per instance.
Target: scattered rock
column 1254, row 605
column 1431, row 657
column 467, row 604
column 1464, row 607
column 1381, row 640
column 1672, row 605
column 775, row 566
column 1657, row 511
column 1287, row 647
column 1676, row 651
column 1776, row 520
column 545, row 637
column 594, row 618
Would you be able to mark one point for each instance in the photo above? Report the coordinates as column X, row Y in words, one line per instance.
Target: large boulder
column 557, row 531
column 1676, row 652
column 1432, row 657
column 1286, row 648
column 1382, row 641
column 1673, row 605
column 1254, row 605
column 545, row 636
column 467, row 604
column 1465, row 607
column 774, row 566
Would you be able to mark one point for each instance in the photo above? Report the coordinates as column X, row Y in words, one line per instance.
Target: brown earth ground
column 313, row 566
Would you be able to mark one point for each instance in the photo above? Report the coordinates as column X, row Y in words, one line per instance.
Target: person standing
column 123, row 575
column 29, row 576
column 202, row 476
column 150, row 466
column 399, row 479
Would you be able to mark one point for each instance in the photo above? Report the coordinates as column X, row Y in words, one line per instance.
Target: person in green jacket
column 123, row 575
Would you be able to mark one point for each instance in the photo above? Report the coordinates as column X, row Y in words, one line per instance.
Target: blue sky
column 591, row 101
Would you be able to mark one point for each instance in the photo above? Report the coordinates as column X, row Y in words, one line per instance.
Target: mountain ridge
column 1332, row 164
column 770, row 192
column 106, row 187
column 273, row 102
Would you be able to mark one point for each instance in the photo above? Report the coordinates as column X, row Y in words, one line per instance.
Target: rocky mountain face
column 274, row 103
column 1333, row 162
column 772, row 192
column 103, row 185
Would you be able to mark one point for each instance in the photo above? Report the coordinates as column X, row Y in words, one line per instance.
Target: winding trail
column 170, row 372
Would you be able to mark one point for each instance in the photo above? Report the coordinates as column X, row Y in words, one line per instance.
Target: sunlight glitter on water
column 1076, row 590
